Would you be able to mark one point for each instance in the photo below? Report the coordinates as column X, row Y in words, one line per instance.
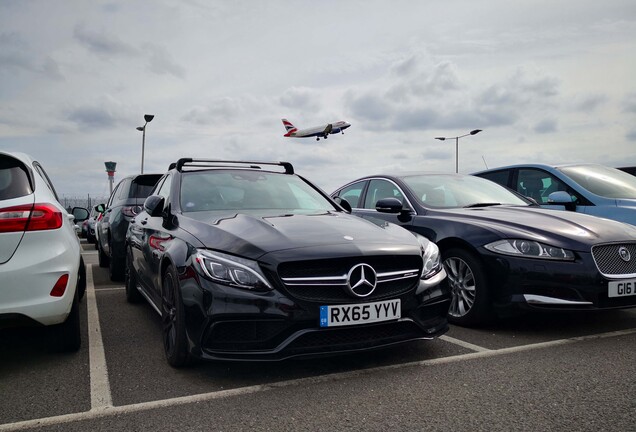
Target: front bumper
column 225, row 323
column 551, row 285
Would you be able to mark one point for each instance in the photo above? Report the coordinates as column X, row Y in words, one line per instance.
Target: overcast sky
column 547, row 81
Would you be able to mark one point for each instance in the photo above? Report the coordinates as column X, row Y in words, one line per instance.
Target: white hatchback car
column 42, row 273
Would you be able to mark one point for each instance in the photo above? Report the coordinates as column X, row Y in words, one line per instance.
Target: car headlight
column 231, row 270
column 530, row 249
column 430, row 255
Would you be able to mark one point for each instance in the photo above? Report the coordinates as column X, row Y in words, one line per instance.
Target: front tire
column 470, row 298
column 173, row 321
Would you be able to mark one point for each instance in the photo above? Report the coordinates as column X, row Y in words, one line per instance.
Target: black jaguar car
column 249, row 261
column 500, row 250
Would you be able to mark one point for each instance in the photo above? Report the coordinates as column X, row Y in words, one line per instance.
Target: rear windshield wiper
column 481, row 205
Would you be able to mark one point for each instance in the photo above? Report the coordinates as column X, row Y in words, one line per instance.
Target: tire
column 173, row 321
column 81, row 280
column 132, row 293
column 67, row 336
column 102, row 257
column 116, row 269
column 470, row 298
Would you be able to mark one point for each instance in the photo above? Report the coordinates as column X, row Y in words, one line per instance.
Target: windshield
column 242, row 190
column 603, row 181
column 453, row 191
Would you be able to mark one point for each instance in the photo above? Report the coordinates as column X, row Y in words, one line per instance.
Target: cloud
column 301, row 98
column 103, row 44
column 629, row 103
column 16, row 55
column 589, row 103
column 106, row 113
column 546, row 126
column 161, row 63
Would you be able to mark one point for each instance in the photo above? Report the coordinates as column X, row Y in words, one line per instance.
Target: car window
column 124, row 189
column 247, row 190
column 142, row 186
column 40, row 169
column 164, row 190
column 379, row 189
column 501, row 177
column 352, row 193
column 14, row 179
column 450, row 191
column 538, row 184
column 113, row 194
column 603, row 181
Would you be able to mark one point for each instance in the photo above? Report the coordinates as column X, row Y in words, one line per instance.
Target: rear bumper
column 30, row 275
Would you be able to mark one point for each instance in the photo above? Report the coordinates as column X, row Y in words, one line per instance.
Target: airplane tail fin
column 289, row 127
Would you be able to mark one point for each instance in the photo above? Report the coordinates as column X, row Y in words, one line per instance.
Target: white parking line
column 100, row 386
column 461, row 343
column 110, row 411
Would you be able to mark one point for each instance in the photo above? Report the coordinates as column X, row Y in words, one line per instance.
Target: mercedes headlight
column 530, row 249
column 231, row 270
column 430, row 255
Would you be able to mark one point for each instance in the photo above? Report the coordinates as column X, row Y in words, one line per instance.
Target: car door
column 377, row 189
column 153, row 234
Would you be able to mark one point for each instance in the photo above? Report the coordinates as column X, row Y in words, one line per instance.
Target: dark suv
column 247, row 260
column 124, row 203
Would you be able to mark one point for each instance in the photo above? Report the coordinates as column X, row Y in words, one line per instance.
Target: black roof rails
column 212, row 163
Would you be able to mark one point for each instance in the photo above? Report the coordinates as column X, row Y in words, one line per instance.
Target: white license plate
column 622, row 288
column 363, row 313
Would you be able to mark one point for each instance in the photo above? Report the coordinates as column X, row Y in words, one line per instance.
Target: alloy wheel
column 462, row 284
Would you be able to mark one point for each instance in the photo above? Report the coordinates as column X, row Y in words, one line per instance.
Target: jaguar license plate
column 621, row 288
column 364, row 313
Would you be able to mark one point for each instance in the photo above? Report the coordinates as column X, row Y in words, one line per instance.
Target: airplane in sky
column 318, row 131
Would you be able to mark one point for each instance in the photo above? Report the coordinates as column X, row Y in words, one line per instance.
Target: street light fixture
column 472, row 132
column 148, row 118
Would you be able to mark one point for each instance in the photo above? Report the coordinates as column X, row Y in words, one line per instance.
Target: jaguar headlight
column 231, row 270
column 530, row 249
column 430, row 255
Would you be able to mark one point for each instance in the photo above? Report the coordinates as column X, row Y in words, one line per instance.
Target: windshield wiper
column 488, row 204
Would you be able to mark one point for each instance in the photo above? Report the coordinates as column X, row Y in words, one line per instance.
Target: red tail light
column 30, row 217
column 60, row 286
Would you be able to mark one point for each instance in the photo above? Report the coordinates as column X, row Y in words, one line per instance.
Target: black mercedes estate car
column 249, row 261
column 500, row 250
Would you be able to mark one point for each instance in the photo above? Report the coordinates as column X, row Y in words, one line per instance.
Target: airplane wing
column 327, row 130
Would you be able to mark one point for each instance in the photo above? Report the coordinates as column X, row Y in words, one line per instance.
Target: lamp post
column 148, row 118
column 473, row 132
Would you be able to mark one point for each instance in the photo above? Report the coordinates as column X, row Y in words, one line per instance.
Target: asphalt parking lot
column 534, row 372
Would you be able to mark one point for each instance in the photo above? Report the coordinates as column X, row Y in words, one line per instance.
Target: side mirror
column 101, row 208
column 343, row 203
column 562, row 198
column 389, row 205
column 80, row 213
column 154, row 205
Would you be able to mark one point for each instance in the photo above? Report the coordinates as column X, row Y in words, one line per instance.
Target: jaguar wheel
column 470, row 302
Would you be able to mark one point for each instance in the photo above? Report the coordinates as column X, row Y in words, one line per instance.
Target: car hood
column 556, row 227
column 317, row 234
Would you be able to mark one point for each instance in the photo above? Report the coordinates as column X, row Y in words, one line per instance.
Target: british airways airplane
column 318, row 131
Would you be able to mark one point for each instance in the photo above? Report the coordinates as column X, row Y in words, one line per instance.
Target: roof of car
column 535, row 165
